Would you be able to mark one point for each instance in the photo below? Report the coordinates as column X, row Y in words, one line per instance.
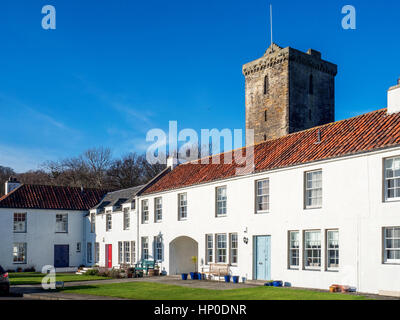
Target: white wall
column 40, row 237
column 352, row 203
column 117, row 233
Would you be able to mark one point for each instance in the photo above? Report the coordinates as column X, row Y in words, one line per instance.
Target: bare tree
column 98, row 161
column 124, row 173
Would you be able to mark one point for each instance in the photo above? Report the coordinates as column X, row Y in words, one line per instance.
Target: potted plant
column 235, row 279
column 227, row 278
column 194, row 275
column 156, row 270
column 184, row 276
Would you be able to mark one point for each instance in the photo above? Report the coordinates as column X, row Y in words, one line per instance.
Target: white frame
column 292, row 248
column 19, row 246
column 158, row 249
column 63, row 222
column 182, row 206
column 127, row 252
column 385, row 249
column 120, row 252
column 221, row 201
column 305, row 249
column 312, row 189
column 145, row 213
column 232, row 248
column 126, row 219
column 257, row 196
column 386, row 179
column 20, row 222
column 158, row 209
column 133, row 252
column 208, row 248
column 336, row 249
column 224, row 250
column 89, row 252
column 108, row 222
column 145, row 241
column 93, row 222
column 96, row 252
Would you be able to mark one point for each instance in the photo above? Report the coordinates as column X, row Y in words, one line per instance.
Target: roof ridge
column 60, row 186
column 283, row 137
column 119, row 190
column 370, row 131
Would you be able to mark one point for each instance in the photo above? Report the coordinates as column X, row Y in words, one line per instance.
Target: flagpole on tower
column 270, row 14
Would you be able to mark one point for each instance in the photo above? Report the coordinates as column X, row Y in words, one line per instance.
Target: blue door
column 262, row 257
column 61, row 255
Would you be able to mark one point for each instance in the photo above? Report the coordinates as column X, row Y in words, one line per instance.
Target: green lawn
column 18, row 278
column 159, row 291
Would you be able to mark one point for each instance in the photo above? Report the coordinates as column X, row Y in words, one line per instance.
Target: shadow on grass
column 74, row 288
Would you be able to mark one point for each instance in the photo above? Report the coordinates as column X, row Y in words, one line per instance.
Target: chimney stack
column 393, row 105
column 11, row 184
column 172, row 162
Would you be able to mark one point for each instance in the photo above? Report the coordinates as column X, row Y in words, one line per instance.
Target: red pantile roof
column 368, row 132
column 52, row 197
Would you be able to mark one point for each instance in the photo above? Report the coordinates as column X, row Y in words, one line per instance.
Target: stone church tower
column 287, row 91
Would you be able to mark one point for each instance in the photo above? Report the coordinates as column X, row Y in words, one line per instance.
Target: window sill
column 262, row 212
column 312, row 208
column 221, row 216
column 19, row 263
column 61, row 232
column 294, row 268
column 332, row 270
column 393, row 263
column 19, row 232
column 311, row 269
column 159, row 221
column 389, row 200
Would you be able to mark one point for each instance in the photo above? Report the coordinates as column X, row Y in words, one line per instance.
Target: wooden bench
column 144, row 266
column 217, row 270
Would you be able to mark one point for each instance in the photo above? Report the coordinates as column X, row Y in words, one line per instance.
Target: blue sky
column 112, row 70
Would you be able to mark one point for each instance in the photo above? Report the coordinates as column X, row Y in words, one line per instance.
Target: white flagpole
column 272, row 40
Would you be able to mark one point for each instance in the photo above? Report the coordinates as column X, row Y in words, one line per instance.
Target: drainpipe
column 138, row 245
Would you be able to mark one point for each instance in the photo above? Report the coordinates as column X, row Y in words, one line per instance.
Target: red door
column 108, row 250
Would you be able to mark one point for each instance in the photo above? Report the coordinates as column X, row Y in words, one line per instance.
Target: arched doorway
column 181, row 251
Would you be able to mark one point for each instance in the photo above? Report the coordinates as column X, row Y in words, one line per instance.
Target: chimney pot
column 393, row 104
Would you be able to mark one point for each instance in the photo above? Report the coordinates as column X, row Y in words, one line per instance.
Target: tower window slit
column 266, row 85
column 311, row 83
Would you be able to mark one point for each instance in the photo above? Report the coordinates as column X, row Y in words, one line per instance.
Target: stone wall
column 287, row 105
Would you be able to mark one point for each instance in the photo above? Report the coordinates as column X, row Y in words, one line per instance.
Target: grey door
column 61, row 255
column 262, row 257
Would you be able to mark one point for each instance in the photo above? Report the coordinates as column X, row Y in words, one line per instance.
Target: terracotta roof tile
column 52, row 197
column 368, row 132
